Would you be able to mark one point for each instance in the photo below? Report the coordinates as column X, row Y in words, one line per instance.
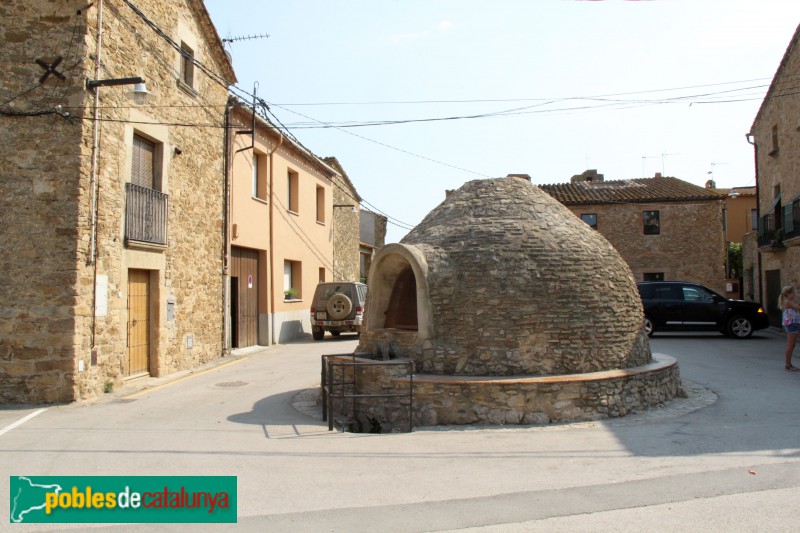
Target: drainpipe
column 93, row 181
column 270, row 185
column 226, row 245
column 752, row 140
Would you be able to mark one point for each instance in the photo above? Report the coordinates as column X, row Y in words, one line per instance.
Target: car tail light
column 359, row 310
column 313, row 310
column 760, row 310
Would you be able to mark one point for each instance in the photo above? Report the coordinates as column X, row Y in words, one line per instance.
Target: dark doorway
column 402, row 310
column 234, row 312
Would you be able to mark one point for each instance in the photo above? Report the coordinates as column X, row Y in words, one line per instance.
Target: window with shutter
column 143, row 165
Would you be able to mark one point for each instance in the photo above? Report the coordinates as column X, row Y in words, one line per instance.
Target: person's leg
column 791, row 339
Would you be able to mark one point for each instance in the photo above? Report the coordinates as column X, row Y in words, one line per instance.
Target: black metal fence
column 145, row 214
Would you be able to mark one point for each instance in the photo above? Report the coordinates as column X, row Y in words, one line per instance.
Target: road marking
column 22, row 421
column 145, row 391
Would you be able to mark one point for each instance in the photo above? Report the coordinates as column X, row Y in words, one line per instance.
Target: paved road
column 726, row 459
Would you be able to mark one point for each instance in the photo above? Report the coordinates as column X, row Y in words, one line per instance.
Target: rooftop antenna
column 664, row 172
column 644, row 157
column 245, row 38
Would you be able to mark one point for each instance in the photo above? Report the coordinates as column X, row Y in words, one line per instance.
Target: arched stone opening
column 398, row 291
column 402, row 310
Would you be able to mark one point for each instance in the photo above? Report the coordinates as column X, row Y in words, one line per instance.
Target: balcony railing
column 145, row 215
column 772, row 231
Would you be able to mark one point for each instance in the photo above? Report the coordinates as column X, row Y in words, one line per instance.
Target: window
column 146, row 205
column 292, row 280
column 321, row 205
column 774, row 150
column 653, row 276
column 187, row 65
column 591, row 219
column 652, row 223
column 293, row 191
column 322, row 275
column 144, row 164
column 754, row 219
column 259, row 178
column 695, row 294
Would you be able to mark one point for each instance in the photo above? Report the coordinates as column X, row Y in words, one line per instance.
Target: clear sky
column 629, row 88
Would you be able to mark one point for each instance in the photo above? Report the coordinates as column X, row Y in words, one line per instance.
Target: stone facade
column 777, row 156
column 345, row 226
column 373, row 238
column 679, row 251
column 700, row 258
column 67, row 251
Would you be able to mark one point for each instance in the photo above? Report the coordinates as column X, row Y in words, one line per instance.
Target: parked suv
column 685, row 306
column 337, row 306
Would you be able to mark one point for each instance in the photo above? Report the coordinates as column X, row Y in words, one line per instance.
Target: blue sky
column 628, row 88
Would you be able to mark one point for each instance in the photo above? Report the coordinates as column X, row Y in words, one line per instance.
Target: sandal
column 792, row 368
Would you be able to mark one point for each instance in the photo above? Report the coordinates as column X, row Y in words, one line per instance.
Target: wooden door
column 138, row 323
column 244, row 267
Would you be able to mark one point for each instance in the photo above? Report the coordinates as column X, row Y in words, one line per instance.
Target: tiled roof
column 643, row 190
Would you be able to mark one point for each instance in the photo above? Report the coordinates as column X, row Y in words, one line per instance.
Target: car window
column 696, row 294
column 668, row 292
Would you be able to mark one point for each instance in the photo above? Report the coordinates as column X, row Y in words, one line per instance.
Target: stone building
column 776, row 145
column 653, row 223
column 111, row 210
column 373, row 237
column 346, row 222
column 511, row 311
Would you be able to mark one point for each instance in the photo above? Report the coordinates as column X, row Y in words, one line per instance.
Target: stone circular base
column 519, row 399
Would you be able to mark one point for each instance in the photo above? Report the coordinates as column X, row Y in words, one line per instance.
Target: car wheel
column 336, row 333
column 740, row 327
column 339, row 306
column 318, row 334
column 648, row 326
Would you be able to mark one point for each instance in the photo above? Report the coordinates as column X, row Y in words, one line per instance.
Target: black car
column 685, row 306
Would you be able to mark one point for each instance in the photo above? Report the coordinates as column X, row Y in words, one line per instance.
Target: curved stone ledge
column 660, row 362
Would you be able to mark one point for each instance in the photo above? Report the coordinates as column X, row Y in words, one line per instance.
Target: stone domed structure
column 513, row 311
column 509, row 282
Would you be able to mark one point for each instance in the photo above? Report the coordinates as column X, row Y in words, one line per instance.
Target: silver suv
column 337, row 306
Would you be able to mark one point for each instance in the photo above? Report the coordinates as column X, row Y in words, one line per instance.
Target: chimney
column 711, row 184
column 658, row 174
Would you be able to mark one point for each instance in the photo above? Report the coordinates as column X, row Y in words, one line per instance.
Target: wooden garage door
column 244, row 267
column 138, row 323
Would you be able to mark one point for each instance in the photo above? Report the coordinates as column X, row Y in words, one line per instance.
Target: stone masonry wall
column 700, row 258
column 778, row 162
column 519, row 286
column 346, row 240
column 47, row 328
column 441, row 400
column 41, row 181
column 190, row 269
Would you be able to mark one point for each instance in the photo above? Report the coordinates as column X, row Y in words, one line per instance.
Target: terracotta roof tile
column 643, row 190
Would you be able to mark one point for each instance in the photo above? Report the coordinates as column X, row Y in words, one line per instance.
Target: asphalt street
column 727, row 458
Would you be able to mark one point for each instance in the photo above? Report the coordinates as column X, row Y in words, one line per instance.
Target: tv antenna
column 245, row 38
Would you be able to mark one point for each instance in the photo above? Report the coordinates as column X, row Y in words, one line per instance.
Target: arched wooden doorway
column 402, row 310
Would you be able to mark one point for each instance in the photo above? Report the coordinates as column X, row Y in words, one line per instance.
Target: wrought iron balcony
column 145, row 215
